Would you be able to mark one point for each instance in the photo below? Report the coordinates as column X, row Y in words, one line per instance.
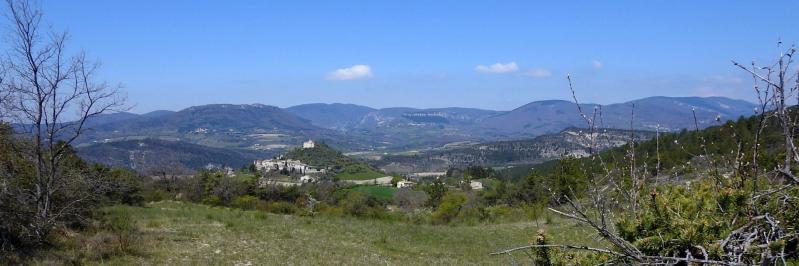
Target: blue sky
column 484, row 54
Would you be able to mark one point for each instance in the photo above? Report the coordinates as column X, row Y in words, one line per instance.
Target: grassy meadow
column 362, row 174
column 191, row 234
column 380, row 192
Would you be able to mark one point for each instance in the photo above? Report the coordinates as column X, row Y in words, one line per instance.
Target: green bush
column 450, row 208
column 125, row 231
column 246, row 202
column 361, row 205
column 280, row 207
column 157, row 195
column 213, row 200
column 328, row 209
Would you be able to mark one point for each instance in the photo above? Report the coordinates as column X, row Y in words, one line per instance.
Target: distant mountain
column 408, row 128
column 665, row 113
column 403, row 116
column 333, row 116
column 532, row 119
column 102, row 119
column 221, row 117
column 674, row 113
column 347, row 127
column 110, row 118
column 151, row 156
column 216, row 125
column 157, row 113
column 349, row 116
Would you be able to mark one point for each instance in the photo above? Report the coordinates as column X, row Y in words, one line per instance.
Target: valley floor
column 191, row 234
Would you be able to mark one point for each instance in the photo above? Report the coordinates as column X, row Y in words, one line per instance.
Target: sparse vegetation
column 83, row 182
column 178, row 232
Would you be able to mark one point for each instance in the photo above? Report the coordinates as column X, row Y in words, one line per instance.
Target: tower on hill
column 308, row 144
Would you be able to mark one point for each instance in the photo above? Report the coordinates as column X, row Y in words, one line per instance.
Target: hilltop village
column 314, row 162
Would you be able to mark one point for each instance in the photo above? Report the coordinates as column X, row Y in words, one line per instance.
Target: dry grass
column 184, row 233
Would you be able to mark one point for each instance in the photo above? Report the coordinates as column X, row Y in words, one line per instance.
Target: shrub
column 497, row 212
column 156, row 195
column 246, row 202
column 127, row 233
column 408, row 199
column 213, row 200
column 328, row 209
column 101, row 246
column 449, row 208
column 281, row 207
column 360, row 205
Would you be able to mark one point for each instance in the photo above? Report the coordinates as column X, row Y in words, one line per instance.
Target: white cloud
column 351, row 73
column 538, row 73
column 498, row 68
column 596, row 64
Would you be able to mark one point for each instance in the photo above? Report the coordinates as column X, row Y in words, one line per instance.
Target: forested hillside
column 151, row 156
column 573, row 142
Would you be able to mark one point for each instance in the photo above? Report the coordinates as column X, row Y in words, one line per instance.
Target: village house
column 281, row 164
column 476, row 185
column 308, row 144
column 307, row 179
column 405, row 184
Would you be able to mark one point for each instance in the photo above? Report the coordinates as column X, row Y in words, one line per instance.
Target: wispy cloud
column 538, row 73
column 498, row 68
column 351, row 73
column 596, row 64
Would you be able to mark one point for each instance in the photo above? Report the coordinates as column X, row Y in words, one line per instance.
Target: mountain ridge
column 352, row 127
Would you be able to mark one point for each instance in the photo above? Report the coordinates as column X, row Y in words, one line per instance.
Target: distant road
column 427, row 174
column 386, row 180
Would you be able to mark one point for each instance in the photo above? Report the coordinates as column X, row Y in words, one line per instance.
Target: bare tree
column 780, row 83
column 51, row 95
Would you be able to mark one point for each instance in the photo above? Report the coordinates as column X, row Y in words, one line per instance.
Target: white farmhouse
column 308, row 144
column 476, row 185
column 307, row 179
column 405, row 183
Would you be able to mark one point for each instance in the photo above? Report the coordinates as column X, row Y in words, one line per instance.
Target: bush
column 328, row 209
column 213, row 200
column 127, row 233
column 359, row 205
column 280, row 207
column 449, row 208
column 497, row 212
column 246, row 202
column 409, row 200
column 101, row 246
column 156, row 195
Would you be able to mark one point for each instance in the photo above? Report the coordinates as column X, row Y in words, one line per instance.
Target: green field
column 380, row 192
column 191, row 234
column 364, row 174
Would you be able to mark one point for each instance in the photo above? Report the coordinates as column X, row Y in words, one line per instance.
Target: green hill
column 684, row 152
column 345, row 168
